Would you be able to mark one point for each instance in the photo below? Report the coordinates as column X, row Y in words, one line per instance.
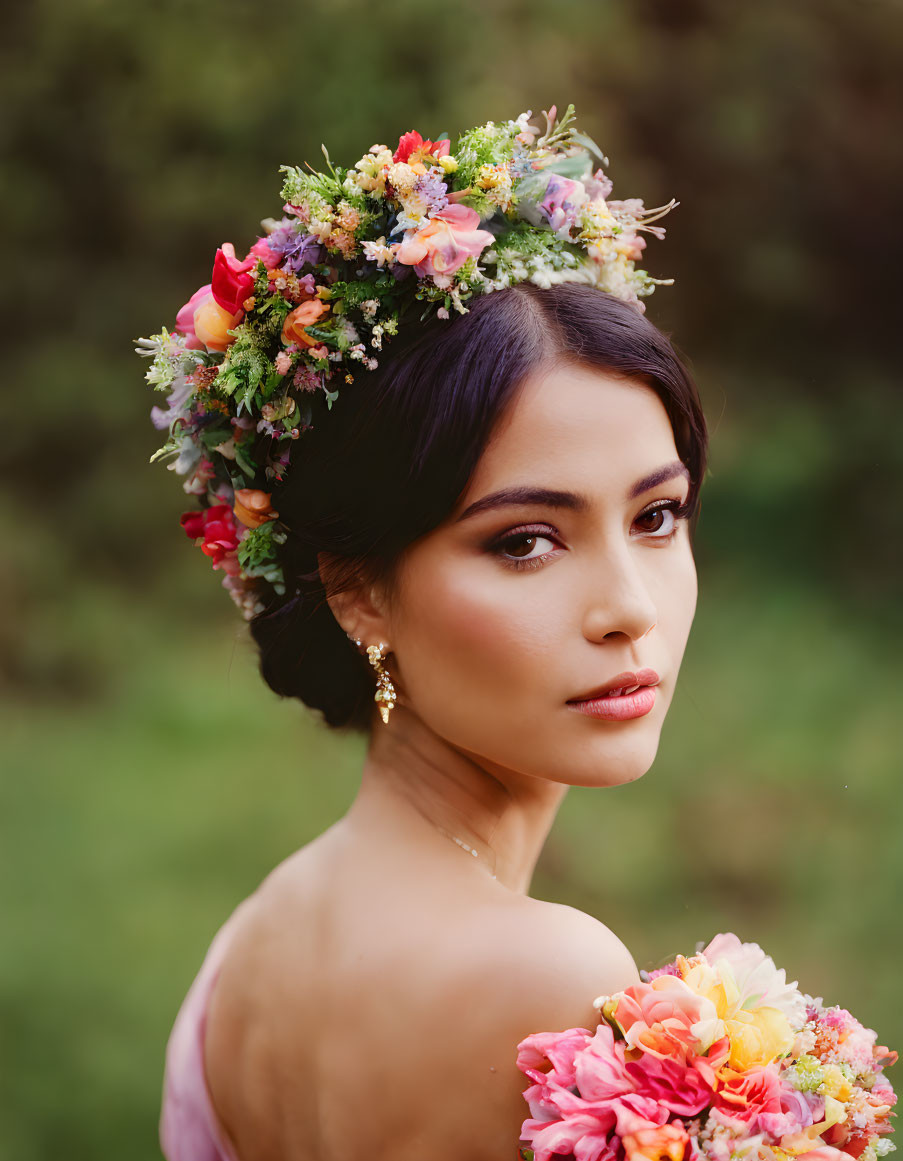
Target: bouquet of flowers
column 710, row 1058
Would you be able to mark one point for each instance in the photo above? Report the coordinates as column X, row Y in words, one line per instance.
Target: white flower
column 320, row 229
column 378, row 252
column 189, row 455
column 759, row 981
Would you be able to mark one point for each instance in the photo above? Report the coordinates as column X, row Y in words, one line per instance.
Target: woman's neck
column 415, row 786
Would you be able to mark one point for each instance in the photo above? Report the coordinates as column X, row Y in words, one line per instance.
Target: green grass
column 136, row 817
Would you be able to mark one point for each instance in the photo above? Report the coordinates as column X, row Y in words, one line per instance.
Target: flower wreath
column 269, row 339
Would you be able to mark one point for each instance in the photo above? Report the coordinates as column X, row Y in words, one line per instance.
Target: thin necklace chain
column 461, row 843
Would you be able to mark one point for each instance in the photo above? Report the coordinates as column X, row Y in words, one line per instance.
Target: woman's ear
column 359, row 605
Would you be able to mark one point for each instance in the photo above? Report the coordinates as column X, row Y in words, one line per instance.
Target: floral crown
column 272, row 336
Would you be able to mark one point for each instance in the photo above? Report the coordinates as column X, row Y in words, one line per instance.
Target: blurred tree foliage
column 138, row 137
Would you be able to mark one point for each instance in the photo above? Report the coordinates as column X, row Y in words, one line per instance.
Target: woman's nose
column 619, row 601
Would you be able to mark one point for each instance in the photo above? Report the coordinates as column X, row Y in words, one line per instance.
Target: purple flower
column 296, row 250
column 562, row 200
column 432, row 186
column 177, row 399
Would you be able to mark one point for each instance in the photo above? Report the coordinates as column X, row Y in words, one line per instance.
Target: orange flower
column 205, row 323
column 303, row 316
column 661, row 1143
column 212, row 325
column 252, row 507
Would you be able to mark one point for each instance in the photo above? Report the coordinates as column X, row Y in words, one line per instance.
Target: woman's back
column 357, row 1015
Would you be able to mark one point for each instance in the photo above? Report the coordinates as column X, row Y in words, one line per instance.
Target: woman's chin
column 607, row 761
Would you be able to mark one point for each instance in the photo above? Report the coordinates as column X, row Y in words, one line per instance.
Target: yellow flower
column 372, row 165
column 716, row 986
column 448, row 163
column 757, row 1037
column 402, row 176
column 596, row 221
column 836, row 1084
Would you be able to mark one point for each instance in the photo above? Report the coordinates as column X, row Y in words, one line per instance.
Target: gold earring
column 385, row 690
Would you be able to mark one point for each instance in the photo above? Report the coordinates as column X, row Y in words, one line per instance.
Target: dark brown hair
column 390, row 460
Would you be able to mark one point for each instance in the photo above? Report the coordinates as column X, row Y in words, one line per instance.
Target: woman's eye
column 661, row 520
column 523, row 546
column 526, row 549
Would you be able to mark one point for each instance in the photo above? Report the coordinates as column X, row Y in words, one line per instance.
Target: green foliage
column 490, row 144
column 318, row 191
column 352, row 294
column 171, row 448
column 246, row 364
column 257, row 554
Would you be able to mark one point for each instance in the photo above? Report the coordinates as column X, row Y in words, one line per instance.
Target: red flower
column 216, row 525
column 230, row 282
column 413, row 143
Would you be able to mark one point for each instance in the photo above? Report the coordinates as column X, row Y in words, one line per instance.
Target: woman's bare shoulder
column 536, row 967
column 549, row 960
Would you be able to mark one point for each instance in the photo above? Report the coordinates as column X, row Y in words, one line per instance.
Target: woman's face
column 515, row 606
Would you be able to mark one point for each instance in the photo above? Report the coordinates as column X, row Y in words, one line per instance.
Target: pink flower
column 600, row 1066
column 445, row 243
column 558, row 1048
column 823, row 1153
column 664, row 1017
column 681, row 1088
column 261, row 250
column 633, row 1112
column 742, row 1096
column 670, row 969
column 231, row 283
column 579, row 1137
column 197, row 481
column 563, row 198
column 798, row 1111
column 205, row 323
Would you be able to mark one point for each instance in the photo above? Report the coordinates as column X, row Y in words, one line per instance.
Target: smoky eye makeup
column 505, row 547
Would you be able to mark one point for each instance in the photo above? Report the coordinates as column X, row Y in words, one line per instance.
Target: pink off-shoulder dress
column 188, row 1124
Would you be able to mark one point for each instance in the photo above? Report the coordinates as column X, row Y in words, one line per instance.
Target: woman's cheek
column 468, row 625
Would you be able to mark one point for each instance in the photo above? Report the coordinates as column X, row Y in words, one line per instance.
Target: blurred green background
column 150, row 780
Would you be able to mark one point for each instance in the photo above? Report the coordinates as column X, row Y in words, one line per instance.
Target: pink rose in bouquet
column 711, row 1058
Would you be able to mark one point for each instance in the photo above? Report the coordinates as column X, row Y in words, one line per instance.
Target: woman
column 491, row 533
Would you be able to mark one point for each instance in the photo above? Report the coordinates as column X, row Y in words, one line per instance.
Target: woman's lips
column 619, row 708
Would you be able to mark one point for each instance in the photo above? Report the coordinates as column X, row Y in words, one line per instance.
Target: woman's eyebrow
column 574, row 501
column 659, row 476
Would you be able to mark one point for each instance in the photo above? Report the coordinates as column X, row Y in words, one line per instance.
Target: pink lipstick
column 629, row 695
